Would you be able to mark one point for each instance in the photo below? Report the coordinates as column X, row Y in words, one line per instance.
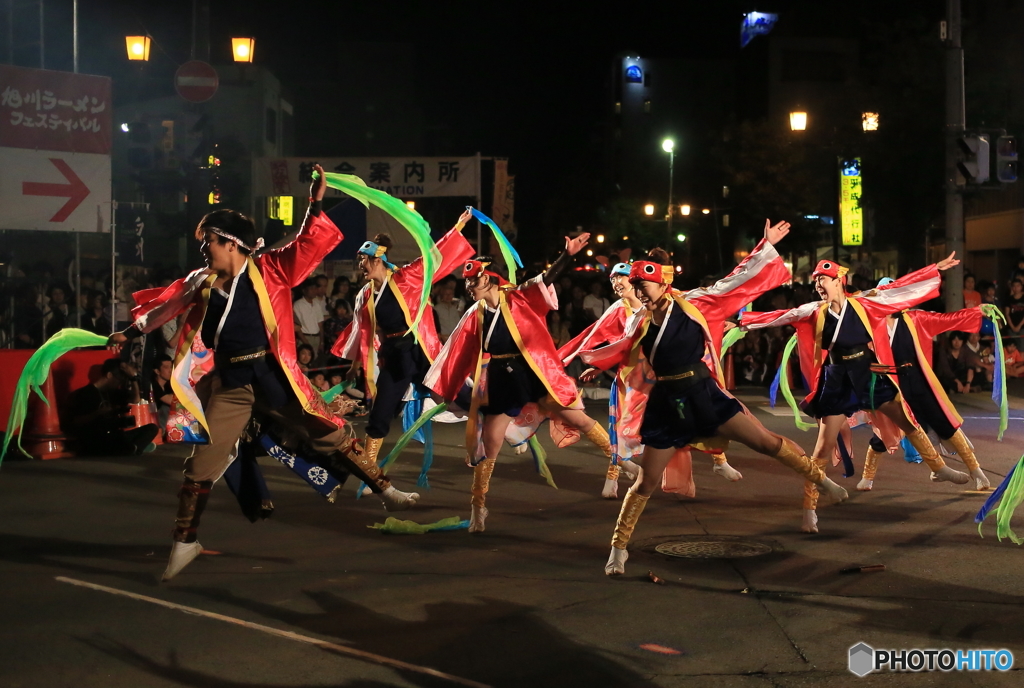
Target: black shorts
column 845, row 388
column 674, row 417
column 511, row 385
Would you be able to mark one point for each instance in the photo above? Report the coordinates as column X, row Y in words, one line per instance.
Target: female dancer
column 629, row 394
column 688, row 404
column 379, row 336
column 910, row 362
column 849, row 329
column 502, row 344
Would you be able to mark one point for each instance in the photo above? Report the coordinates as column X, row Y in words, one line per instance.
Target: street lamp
column 798, row 121
column 684, row 209
column 706, row 211
column 411, row 204
column 680, row 237
column 138, row 47
column 669, row 146
column 649, row 209
column 242, row 49
column 869, row 120
column 600, row 238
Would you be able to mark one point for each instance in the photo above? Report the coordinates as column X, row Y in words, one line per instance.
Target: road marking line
column 334, row 647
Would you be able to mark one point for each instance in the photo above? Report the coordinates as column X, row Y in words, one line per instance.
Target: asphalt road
column 524, row 604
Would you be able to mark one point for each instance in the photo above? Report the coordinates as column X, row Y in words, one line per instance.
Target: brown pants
column 227, row 414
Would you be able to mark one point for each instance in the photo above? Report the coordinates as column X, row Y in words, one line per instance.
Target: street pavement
column 524, row 604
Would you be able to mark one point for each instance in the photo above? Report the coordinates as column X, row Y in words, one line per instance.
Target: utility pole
column 955, row 125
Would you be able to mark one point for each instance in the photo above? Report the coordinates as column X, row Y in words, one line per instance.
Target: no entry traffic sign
column 196, row 81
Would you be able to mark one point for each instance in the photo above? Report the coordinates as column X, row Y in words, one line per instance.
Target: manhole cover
column 713, row 548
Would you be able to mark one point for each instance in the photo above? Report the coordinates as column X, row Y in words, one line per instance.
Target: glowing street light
column 649, row 209
column 706, row 211
column 684, row 209
column 668, row 145
column 138, row 47
column 600, row 238
column 242, row 49
column 798, row 121
column 869, row 120
column 590, row 252
column 411, row 204
column 680, row 237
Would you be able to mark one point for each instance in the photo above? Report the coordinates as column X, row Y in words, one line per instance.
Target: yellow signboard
column 280, row 208
column 850, row 212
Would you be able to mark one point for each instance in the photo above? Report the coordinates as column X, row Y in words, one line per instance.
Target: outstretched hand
column 576, row 244
column 589, row 374
column 948, row 263
column 775, row 233
column 319, row 184
column 115, row 341
column 465, row 217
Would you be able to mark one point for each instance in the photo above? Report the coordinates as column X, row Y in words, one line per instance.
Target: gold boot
column 966, row 454
column 940, row 471
column 481, row 484
column 867, row 478
column 599, row 436
column 611, row 482
column 791, row 456
column 632, row 506
column 365, row 465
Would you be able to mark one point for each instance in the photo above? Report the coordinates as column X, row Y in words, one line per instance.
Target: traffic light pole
column 955, row 125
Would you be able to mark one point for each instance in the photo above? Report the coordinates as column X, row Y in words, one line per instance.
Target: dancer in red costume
column 908, row 357
column 680, row 334
column 379, row 341
column 240, row 307
column 838, row 339
column 502, row 344
column 629, row 395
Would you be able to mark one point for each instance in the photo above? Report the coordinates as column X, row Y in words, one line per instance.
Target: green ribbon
column 540, row 459
column 34, row 375
column 394, row 526
column 406, row 216
column 784, row 386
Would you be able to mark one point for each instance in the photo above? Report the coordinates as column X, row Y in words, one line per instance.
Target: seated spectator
column 58, row 313
column 28, row 320
column 971, row 297
column 336, row 378
column 95, row 315
column 304, row 355
column 97, row 414
column 1013, row 358
column 989, row 295
column 1014, row 310
column 160, row 388
column 982, row 359
column 955, row 371
column 340, row 317
column 319, row 381
column 449, row 310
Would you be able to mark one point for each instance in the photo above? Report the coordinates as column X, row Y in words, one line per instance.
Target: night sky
column 507, row 81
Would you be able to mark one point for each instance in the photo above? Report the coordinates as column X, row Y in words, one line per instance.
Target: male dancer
column 241, row 307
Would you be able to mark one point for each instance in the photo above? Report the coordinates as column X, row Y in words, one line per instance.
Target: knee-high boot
column 940, row 471
column 192, row 498
column 481, row 484
column 966, row 454
column 632, row 506
column 599, row 436
column 870, row 468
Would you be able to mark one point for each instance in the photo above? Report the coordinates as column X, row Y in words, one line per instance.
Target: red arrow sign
column 75, row 192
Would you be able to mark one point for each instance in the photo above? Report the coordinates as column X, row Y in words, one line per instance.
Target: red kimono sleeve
column 296, row 261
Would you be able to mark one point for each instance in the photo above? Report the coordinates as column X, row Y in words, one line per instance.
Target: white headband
column 232, row 237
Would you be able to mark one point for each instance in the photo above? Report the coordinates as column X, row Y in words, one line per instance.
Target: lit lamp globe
column 138, row 47
column 649, row 209
column 242, row 49
column 798, row 121
column 668, row 145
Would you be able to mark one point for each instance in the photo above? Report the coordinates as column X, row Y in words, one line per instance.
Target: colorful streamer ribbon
column 406, row 216
column 404, row 440
column 782, row 382
column 999, row 370
column 731, row 337
column 394, row 526
column 540, row 461
column 1009, row 494
column 34, row 375
column 508, row 252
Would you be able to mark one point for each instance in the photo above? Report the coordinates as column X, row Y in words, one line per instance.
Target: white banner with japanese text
column 417, row 177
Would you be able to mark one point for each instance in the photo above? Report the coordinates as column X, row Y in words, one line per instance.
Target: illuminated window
column 870, row 121
column 647, row 107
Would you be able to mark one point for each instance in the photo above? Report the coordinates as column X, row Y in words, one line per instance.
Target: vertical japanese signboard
column 850, row 212
column 55, row 140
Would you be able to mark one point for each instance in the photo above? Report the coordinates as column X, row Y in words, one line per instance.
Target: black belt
column 245, row 357
column 685, row 377
column 839, row 355
column 890, row 370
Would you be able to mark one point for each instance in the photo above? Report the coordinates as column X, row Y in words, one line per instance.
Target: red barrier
column 43, row 436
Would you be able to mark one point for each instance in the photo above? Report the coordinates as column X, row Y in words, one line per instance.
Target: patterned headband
column 231, row 237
